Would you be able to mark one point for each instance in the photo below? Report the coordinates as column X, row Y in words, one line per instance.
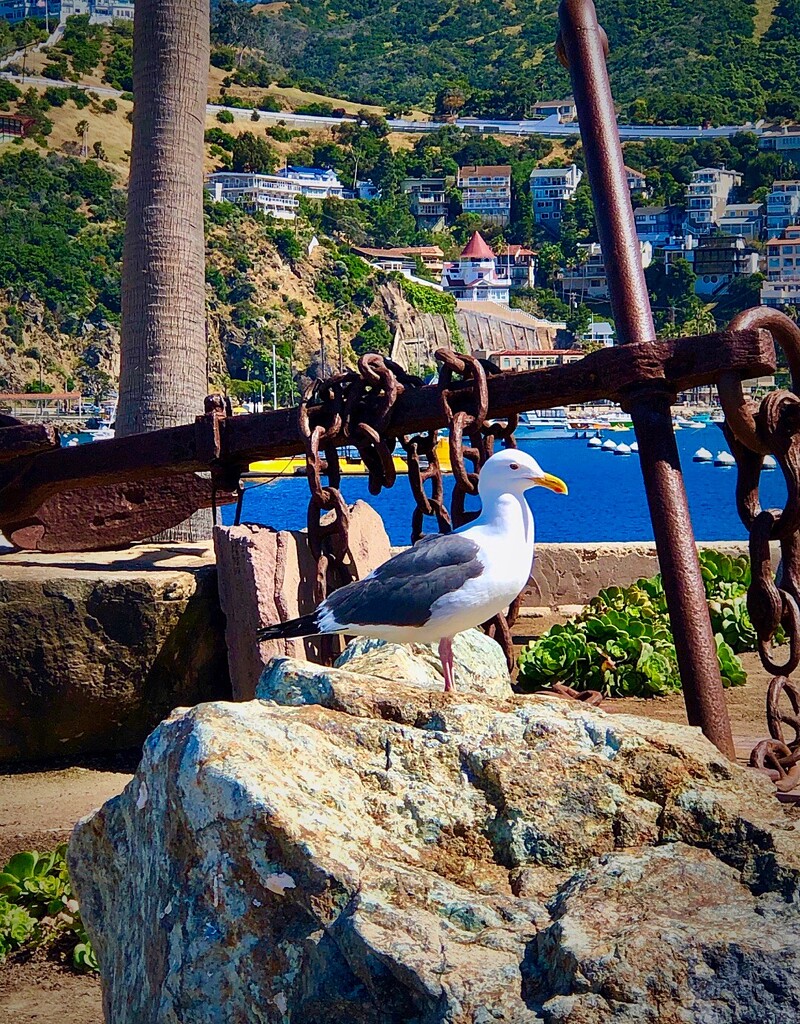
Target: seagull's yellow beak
column 552, row 483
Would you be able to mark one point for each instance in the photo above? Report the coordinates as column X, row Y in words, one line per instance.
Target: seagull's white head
column 512, row 471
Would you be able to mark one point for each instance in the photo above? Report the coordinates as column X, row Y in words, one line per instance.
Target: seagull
column 445, row 583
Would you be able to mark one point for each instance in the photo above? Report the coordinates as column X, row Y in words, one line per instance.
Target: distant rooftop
column 485, row 170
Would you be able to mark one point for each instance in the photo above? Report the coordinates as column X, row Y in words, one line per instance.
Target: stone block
column 96, row 648
column 267, row 576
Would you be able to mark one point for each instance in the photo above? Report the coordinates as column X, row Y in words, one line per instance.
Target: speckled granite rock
column 379, row 854
column 479, row 662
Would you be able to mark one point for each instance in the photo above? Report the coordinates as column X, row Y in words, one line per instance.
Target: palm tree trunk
column 163, row 359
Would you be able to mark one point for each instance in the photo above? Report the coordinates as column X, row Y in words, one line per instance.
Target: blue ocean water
column 606, row 500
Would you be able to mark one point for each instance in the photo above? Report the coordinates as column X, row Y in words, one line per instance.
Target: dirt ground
column 39, row 808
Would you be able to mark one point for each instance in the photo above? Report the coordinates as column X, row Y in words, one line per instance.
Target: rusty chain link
column 482, row 437
column 753, row 431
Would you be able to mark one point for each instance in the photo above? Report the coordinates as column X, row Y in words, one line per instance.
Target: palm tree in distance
column 163, row 358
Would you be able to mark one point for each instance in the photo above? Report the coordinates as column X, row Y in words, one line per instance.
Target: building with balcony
column 474, row 277
column 551, row 188
column 258, row 193
column 13, row 126
column 530, row 359
column 657, row 224
column 405, row 259
column 782, row 284
column 743, row 220
column 519, row 265
column 587, row 280
column 315, row 182
column 719, row 260
column 486, row 191
column 783, row 206
column 707, row 197
column 98, row 10
column 564, row 110
column 784, row 140
column 637, row 183
column 430, row 205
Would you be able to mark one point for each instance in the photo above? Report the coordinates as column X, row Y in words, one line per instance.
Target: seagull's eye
column 513, row 465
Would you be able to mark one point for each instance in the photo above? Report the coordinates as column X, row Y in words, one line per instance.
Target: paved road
column 549, row 127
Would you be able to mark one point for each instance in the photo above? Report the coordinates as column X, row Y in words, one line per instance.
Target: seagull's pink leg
column 446, row 656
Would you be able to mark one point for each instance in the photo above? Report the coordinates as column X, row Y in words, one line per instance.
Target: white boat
column 622, row 449
column 608, row 445
column 544, row 425
column 595, row 442
column 635, row 448
column 770, row 462
column 702, row 455
column 683, row 421
column 724, row 459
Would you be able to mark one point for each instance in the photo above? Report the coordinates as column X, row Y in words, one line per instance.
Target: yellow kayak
column 349, row 462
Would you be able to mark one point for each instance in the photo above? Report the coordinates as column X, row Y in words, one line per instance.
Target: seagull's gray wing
column 402, row 591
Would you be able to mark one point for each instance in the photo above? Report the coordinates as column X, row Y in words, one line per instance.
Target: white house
column 783, row 206
column 315, row 182
column 486, row 190
column 587, row 278
column 475, row 277
column 707, row 197
column 264, row 193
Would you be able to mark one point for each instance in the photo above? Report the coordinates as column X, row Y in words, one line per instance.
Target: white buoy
column 595, row 442
column 770, row 462
column 724, row 459
column 608, row 445
column 635, row 448
column 622, row 449
column 702, row 455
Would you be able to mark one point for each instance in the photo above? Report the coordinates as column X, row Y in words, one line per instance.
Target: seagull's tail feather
column 306, row 625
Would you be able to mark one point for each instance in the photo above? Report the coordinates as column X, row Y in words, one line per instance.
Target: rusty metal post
column 583, row 47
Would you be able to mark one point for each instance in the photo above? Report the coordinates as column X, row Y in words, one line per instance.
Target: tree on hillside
column 163, row 360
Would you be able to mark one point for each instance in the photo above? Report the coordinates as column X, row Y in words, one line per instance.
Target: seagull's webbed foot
column 446, row 656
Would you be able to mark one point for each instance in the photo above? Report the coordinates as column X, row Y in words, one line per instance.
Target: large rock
column 379, row 853
column 97, row 648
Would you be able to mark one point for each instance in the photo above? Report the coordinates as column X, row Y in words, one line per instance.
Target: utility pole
column 321, row 348
column 339, row 342
column 274, row 379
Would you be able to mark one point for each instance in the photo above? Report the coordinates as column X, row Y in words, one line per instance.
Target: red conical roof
column 477, row 249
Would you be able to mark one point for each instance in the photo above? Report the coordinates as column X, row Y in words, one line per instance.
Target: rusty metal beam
column 583, row 47
column 26, row 439
column 676, row 365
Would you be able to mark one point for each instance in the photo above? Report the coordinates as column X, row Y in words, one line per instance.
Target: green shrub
column 225, row 117
column 622, row 642
column 37, row 907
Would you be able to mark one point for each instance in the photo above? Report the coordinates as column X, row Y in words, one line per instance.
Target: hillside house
column 743, row 220
column 637, row 183
column 784, row 140
column 657, row 224
column 430, row 205
column 519, row 265
column 564, row 110
column 551, row 188
column 707, row 197
column 587, row 279
column 404, row 258
column 719, row 260
column 263, row 193
column 474, row 277
column 486, row 191
column 783, row 206
column 782, row 286
column 315, row 182
column 530, row 359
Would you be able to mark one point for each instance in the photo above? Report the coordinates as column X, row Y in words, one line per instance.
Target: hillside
column 671, row 60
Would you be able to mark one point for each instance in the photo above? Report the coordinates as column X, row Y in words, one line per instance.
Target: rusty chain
column 771, row 427
column 482, row 437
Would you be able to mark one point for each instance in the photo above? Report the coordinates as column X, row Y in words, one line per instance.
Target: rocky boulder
column 370, row 852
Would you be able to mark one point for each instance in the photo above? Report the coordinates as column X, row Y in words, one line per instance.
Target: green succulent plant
column 37, row 906
column 622, row 644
